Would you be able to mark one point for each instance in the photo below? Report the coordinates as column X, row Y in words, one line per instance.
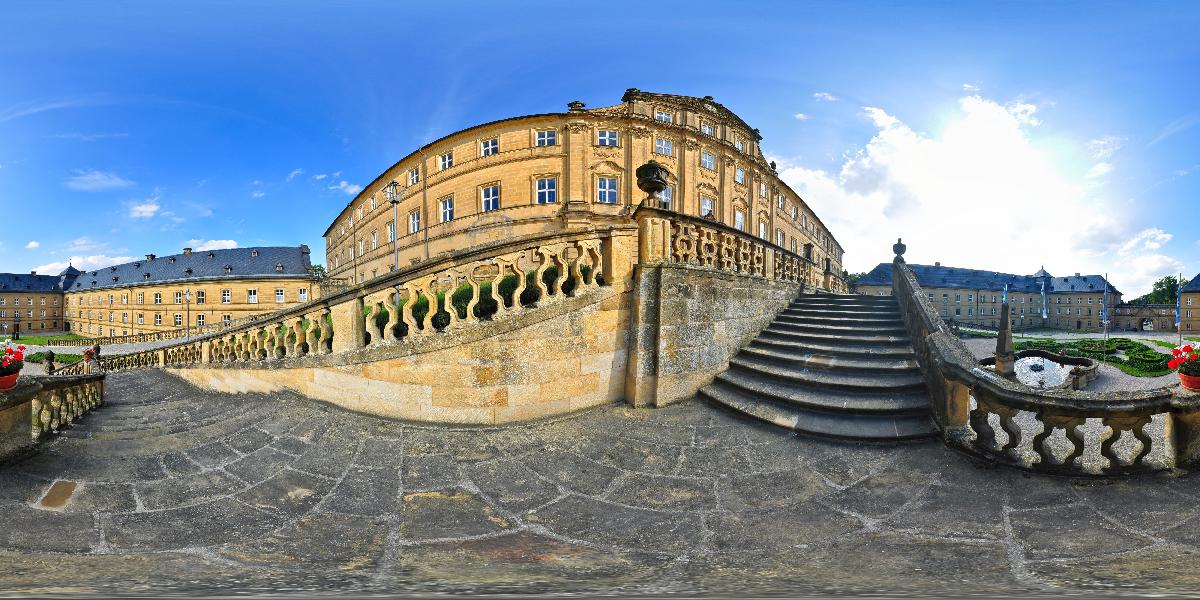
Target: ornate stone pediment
column 607, row 166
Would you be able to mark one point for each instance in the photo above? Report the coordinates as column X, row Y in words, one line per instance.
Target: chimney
column 187, row 251
column 149, row 257
column 937, row 264
column 1077, row 274
column 33, row 272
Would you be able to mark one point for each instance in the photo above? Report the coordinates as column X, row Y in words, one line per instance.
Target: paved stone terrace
column 190, row 492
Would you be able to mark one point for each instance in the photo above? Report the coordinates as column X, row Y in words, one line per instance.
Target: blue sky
column 989, row 135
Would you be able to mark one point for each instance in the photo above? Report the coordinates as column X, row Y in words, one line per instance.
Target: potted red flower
column 11, row 363
column 1187, row 363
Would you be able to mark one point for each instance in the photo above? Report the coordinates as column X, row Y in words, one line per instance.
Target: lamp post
column 187, row 332
column 393, row 196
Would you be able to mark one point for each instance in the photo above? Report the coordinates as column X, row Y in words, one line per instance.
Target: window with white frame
column 780, row 238
column 796, row 213
column 414, row 176
column 141, row 318
column 737, row 143
column 303, row 294
column 489, row 147
column 706, row 206
column 547, row 137
column 414, row 221
column 178, row 320
column 446, row 207
column 490, row 198
column 606, row 137
column 762, row 229
column 362, row 247
column 226, row 319
column 779, row 202
column 762, row 189
column 446, row 161
column 157, row 319
column 706, row 128
column 706, row 160
column 795, row 246
column 252, row 296
column 606, row 190
column 739, row 175
column 739, row 220
column 664, row 147
column 200, row 320
column 546, row 190
column 374, row 240
column 664, row 116
column 226, row 296
column 178, row 297
column 201, row 297
column 668, row 197
column 280, row 296
column 391, row 231
column 373, row 204
column 141, row 297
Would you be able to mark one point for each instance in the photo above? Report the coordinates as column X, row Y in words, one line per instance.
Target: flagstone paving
column 179, row 490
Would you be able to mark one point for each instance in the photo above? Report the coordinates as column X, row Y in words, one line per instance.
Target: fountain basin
column 1047, row 370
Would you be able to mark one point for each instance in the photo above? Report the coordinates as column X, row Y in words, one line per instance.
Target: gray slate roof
column 954, row 277
column 200, row 265
column 1193, row 285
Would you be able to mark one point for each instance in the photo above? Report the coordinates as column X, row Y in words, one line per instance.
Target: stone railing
column 685, row 239
column 1055, row 431
column 39, row 406
column 158, row 336
column 427, row 299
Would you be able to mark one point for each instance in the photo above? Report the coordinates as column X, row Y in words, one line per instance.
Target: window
column 200, row 297
column 779, row 201
column 374, row 240
column 668, row 197
column 446, row 205
column 739, row 175
column 141, row 319
column 739, row 220
column 226, row 319
column 762, row 189
column 664, row 147
column 414, row 175
column 779, row 238
column 706, row 206
column 547, row 137
column 664, row 116
column 606, row 190
column 362, row 246
column 490, row 196
column 391, row 231
column 252, row 296
column 303, row 293
column 706, row 128
column 606, row 137
column 141, row 297
column 446, row 161
column 489, row 147
column 414, row 221
column 958, row 297
column 547, row 190
column 374, row 205
column 762, row 229
column 706, row 160
column 178, row 320
column 157, row 319
column 280, row 298
column 737, row 143
column 795, row 212
column 200, row 320
column 226, row 296
column 124, row 316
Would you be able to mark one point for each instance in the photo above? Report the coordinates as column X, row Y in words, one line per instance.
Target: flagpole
column 1104, row 308
column 1178, row 315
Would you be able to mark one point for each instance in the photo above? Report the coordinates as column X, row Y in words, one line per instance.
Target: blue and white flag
column 1178, row 296
column 1045, row 305
column 1004, row 295
column 1104, row 303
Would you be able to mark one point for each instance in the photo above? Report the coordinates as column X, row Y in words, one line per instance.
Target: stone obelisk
column 1005, row 357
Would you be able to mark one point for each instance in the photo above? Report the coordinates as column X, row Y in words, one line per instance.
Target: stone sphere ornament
column 652, row 178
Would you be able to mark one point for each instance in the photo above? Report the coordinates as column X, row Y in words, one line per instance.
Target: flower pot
column 1191, row 382
column 8, row 382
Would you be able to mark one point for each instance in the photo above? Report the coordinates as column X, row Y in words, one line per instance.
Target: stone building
column 973, row 297
column 1189, row 301
column 33, row 303
column 193, row 289
column 546, row 172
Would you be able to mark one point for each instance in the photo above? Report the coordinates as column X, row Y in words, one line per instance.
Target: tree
column 1163, row 291
column 852, row 278
column 319, row 271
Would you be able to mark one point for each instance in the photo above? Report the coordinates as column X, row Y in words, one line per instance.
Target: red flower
column 1187, row 348
column 1173, row 364
column 1176, row 352
column 22, row 348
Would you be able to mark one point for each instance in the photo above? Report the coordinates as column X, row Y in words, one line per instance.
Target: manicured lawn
column 59, row 359
column 1139, row 359
column 43, row 340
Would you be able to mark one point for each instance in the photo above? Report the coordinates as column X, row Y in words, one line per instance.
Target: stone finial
column 773, row 168
column 898, row 249
column 652, row 179
column 575, row 106
column 1006, row 358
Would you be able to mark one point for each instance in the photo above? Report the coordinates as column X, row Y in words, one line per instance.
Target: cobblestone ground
column 178, row 490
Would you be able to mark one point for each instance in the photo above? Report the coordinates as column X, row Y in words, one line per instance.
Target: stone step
column 877, row 428
column 883, row 402
column 827, row 379
column 863, row 320
column 846, row 299
column 848, row 314
column 865, row 329
column 783, row 333
column 862, row 363
column 798, row 309
column 832, row 349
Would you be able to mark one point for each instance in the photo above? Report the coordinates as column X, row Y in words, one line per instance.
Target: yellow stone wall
column 1190, row 317
column 132, row 309
column 358, row 246
column 36, row 312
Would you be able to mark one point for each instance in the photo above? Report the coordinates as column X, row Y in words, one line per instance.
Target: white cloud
column 257, row 194
column 1023, row 112
column 85, row 244
column 345, row 186
column 199, row 245
column 970, row 87
column 32, row 244
column 294, row 174
column 825, row 97
column 319, row 176
column 1103, row 148
column 801, row 116
column 94, row 181
column 144, row 210
column 83, row 263
column 337, row 174
column 1099, row 169
column 979, row 192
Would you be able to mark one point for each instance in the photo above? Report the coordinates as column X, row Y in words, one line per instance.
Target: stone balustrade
column 158, row 336
column 1054, row 431
column 39, row 406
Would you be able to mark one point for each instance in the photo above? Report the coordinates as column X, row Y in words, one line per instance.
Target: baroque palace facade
column 972, row 297
column 540, row 173
column 191, row 289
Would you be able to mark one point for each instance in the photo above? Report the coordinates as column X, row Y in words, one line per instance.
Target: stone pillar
column 18, row 410
column 1005, row 357
column 349, row 328
column 1184, row 427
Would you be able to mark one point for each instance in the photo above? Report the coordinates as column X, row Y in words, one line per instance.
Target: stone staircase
column 838, row 366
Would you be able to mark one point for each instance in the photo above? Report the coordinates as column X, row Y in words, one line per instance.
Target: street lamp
column 187, row 295
column 393, row 196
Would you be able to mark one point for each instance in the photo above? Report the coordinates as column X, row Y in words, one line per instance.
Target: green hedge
column 1139, row 360
column 59, row 359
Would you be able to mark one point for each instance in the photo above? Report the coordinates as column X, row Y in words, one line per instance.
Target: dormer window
column 279, row 267
column 254, row 253
column 113, row 269
column 115, row 279
column 147, row 275
column 187, row 272
column 664, row 116
column 211, row 256
column 171, row 260
column 137, row 265
column 228, row 269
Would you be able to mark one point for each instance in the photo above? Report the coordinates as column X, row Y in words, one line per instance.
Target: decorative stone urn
column 898, row 249
column 652, row 179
